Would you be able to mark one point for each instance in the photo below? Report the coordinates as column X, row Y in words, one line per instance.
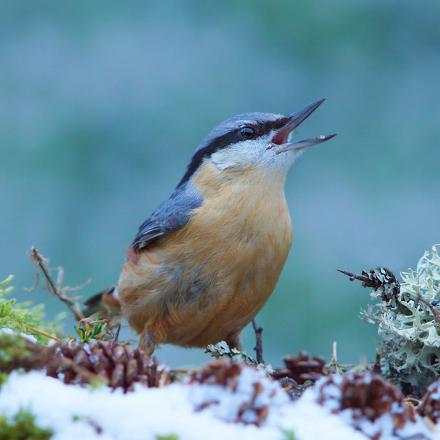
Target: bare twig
column 371, row 279
column 258, row 342
column 435, row 312
column 334, row 361
column 60, row 281
column 40, row 332
column 221, row 350
column 353, row 276
column 335, row 352
column 116, row 334
column 366, row 281
column 55, row 287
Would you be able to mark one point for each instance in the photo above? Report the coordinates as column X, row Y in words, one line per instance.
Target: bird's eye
column 247, row 132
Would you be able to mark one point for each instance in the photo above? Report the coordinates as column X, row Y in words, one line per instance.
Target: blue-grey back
column 172, row 214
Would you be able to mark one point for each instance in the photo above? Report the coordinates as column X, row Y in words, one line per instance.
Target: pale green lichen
column 221, row 350
column 409, row 325
column 23, row 318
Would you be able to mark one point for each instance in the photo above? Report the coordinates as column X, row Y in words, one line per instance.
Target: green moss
column 3, row 379
column 289, row 435
column 167, row 437
column 23, row 317
column 22, row 427
column 12, row 348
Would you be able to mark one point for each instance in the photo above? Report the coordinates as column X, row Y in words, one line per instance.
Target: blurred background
column 103, row 103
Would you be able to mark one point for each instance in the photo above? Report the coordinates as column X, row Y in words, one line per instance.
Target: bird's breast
column 215, row 273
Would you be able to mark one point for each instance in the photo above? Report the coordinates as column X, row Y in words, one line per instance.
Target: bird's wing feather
column 172, row 214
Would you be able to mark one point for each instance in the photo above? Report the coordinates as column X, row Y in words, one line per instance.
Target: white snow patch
column 147, row 412
column 225, row 403
column 9, row 331
column 142, row 414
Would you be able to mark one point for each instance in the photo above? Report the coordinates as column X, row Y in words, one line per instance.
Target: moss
column 23, row 317
column 3, row 379
column 17, row 352
column 12, row 347
column 167, row 437
column 288, row 435
column 22, row 427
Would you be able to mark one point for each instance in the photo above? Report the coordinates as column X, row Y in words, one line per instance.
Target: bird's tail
column 104, row 304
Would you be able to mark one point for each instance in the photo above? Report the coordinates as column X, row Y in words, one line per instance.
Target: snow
column 75, row 412
column 227, row 403
column 10, row 332
column 142, row 414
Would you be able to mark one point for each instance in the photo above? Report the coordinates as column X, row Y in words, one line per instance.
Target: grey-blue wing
column 172, row 214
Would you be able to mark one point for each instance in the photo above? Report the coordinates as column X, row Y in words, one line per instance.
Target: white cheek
column 254, row 154
column 241, row 155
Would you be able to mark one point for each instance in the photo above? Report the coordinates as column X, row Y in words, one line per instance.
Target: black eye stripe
column 213, row 144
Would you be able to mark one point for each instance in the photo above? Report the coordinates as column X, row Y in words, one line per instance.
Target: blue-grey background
column 102, row 104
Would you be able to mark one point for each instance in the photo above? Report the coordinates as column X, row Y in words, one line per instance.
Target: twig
column 222, row 350
column 116, row 335
column 366, row 281
column 40, row 332
column 376, row 283
column 334, row 361
column 258, row 342
column 55, row 288
column 433, row 310
column 335, row 352
column 380, row 279
column 60, row 281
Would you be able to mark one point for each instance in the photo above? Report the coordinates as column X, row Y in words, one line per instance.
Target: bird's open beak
column 295, row 119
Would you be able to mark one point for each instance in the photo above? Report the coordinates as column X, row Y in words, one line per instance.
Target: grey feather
column 172, row 214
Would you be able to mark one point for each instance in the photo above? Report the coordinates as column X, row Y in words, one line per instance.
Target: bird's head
column 260, row 141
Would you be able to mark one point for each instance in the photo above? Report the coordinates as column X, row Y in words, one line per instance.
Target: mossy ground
column 22, row 427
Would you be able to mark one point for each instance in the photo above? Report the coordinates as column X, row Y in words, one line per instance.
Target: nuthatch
column 208, row 258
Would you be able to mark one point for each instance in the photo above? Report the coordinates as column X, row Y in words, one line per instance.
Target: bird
column 207, row 259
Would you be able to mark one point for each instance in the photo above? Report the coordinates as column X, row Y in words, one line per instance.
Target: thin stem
column 259, row 342
column 40, row 262
column 40, row 332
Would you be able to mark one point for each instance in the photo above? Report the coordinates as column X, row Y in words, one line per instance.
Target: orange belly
column 205, row 282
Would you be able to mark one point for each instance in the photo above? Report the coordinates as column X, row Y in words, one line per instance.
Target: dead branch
column 258, row 342
column 370, row 279
column 435, row 312
column 55, row 287
column 354, row 276
column 40, row 332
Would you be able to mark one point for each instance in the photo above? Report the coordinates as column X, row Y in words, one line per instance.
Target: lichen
column 409, row 326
